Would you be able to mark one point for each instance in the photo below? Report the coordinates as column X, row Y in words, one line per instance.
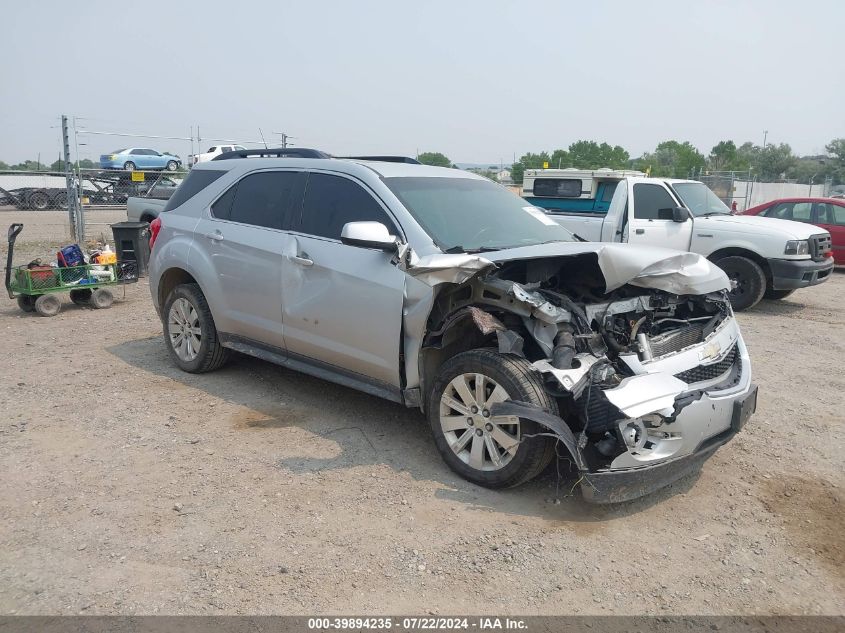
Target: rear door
column 244, row 237
column 342, row 304
column 831, row 217
column 652, row 204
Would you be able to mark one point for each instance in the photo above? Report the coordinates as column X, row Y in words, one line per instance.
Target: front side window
column 649, row 200
column 471, row 215
column 802, row 211
column 261, row 199
column 782, row 211
column 557, row 188
column 332, row 201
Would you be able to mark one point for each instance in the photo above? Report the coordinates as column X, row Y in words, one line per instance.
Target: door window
column 802, row 211
column 332, row 201
column 830, row 214
column 649, row 199
column 261, row 199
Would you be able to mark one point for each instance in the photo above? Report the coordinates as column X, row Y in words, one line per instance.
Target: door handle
column 302, row 260
column 216, row 236
column 639, row 231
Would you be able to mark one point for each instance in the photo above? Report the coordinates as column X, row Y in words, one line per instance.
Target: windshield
column 465, row 214
column 699, row 199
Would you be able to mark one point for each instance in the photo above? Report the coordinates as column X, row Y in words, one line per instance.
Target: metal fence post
column 70, row 185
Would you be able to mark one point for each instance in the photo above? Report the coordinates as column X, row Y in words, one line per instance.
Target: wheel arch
column 737, row 251
column 171, row 278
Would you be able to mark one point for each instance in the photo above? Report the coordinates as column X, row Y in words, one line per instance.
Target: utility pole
column 70, row 184
column 765, row 134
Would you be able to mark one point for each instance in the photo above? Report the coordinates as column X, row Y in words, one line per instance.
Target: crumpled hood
column 754, row 224
column 644, row 266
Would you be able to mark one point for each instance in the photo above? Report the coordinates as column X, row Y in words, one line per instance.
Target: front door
column 342, row 304
column 649, row 224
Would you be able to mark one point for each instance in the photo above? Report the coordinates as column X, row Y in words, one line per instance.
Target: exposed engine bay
column 621, row 364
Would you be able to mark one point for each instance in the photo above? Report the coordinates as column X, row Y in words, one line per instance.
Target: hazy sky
column 479, row 81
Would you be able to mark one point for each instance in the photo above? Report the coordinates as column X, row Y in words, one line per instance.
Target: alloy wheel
column 480, row 440
column 183, row 327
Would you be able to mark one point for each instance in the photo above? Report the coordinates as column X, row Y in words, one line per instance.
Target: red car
column 827, row 213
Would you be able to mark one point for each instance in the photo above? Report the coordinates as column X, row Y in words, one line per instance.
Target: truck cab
column 762, row 257
column 573, row 190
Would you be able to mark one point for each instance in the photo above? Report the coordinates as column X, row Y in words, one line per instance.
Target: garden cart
column 36, row 286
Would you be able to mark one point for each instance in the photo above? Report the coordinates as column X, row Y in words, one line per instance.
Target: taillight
column 155, row 227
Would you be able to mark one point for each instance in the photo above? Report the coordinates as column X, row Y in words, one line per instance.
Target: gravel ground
column 131, row 488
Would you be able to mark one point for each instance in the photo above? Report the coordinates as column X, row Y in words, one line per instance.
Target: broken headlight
column 797, row 247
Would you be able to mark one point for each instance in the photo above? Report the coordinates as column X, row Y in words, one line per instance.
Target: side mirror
column 369, row 235
column 675, row 214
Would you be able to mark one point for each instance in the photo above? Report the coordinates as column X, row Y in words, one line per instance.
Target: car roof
column 836, row 201
column 384, row 169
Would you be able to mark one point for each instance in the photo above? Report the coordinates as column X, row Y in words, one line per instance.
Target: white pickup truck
column 761, row 256
column 213, row 151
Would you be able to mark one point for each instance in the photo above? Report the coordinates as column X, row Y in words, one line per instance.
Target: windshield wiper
column 481, row 249
column 709, row 213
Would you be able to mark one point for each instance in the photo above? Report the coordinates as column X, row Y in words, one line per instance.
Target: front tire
column 190, row 333
column 39, row 201
column 101, row 299
column 748, row 281
column 48, row 305
column 491, row 452
column 774, row 295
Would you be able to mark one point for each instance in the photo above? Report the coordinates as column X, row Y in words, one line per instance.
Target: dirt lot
column 129, row 487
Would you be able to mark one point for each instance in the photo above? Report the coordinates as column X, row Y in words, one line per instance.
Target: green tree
column 434, row 158
column 530, row 161
column 836, row 162
column 3, row 165
column 722, row 156
column 87, row 164
column 672, row 159
column 59, row 165
column 774, row 161
column 591, row 155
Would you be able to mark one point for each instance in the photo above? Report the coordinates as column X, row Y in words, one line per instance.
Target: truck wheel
column 80, row 296
column 60, row 201
column 748, row 281
column 488, row 451
column 172, row 165
column 777, row 294
column 39, row 200
column 101, row 298
column 129, row 166
column 189, row 331
column 26, row 303
column 48, row 305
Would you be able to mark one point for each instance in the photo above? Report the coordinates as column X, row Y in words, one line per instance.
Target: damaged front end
column 644, row 357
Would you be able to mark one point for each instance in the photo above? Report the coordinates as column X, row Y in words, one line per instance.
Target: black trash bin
column 132, row 243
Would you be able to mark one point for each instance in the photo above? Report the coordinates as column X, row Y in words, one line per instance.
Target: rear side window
column 261, row 199
column 649, row 199
column 196, row 181
column 609, row 190
column 557, row 188
column 332, row 201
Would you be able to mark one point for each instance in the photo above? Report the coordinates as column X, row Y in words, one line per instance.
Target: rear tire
column 466, row 439
column 48, row 305
column 777, row 294
column 38, row 200
column 26, row 303
column 190, row 333
column 748, row 281
column 101, row 299
column 81, row 297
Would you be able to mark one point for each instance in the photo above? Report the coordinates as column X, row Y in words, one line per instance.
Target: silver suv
column 443, row 291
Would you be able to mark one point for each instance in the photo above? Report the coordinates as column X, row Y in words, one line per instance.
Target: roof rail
column 279, row 152
column 385, row 159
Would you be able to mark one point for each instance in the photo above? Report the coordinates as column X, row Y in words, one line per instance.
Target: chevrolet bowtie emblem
column 710, row 351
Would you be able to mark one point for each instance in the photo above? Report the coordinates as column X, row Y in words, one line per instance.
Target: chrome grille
column 709, row 372
column 820, row 246
column 676, row 340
